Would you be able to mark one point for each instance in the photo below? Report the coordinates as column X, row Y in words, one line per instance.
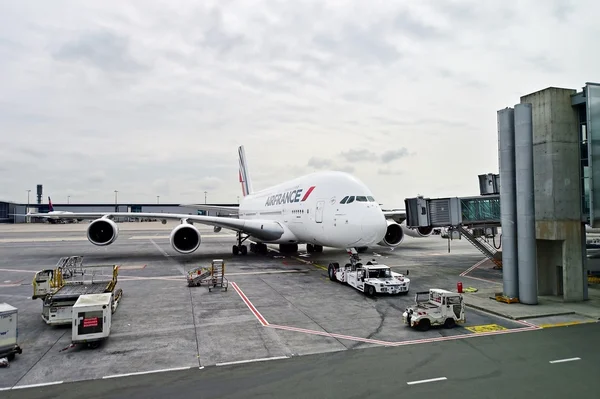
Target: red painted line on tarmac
column 256, row 313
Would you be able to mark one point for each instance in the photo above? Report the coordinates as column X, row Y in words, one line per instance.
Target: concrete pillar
column 526, row 245
column 508, row 217
column 557, row 192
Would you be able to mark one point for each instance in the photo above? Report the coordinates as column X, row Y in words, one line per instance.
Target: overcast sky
column 153, row 97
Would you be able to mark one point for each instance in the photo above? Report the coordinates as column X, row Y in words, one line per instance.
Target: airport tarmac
column 276, row 306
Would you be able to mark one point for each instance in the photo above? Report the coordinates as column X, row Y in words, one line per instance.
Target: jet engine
column 417, row 232
column 102, row 232
column 185, row 238
column 394, row 235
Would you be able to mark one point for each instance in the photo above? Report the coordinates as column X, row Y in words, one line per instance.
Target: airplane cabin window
column 343, row 201
column 361, row 198
column 351, row 199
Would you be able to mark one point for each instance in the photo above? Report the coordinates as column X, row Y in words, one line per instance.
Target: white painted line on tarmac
column 162, row 251
column 565, row 360
column 168, row 236
column 264, row 359
column 146, row 372
column 43, row 384
column 425, row 381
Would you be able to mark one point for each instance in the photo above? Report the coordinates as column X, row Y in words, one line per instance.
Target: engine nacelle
column 417, row 232
column 185, row 238
column 394, row 235
column 102, row 232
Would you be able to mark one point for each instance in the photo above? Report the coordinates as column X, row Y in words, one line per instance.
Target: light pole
column 157, row 199
column 68, row 198
column 205, row 197
column 27, row 211
column 116, row 201
column 238, row 197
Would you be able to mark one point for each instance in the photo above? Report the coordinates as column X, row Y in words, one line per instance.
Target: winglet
column 245, row 180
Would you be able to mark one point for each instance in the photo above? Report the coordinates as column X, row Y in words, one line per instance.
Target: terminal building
column 543, row 200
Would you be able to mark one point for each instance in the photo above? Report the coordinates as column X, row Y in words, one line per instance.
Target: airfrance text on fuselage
column 287, row 197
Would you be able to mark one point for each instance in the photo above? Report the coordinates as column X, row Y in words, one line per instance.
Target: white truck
column 371, row 278
column 435, row 307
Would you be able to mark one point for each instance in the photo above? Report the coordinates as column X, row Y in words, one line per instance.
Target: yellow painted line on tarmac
column 486, row 328
column 310, row 263
column 566, row 323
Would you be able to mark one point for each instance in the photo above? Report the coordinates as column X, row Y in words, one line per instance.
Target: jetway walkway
column 475, row 218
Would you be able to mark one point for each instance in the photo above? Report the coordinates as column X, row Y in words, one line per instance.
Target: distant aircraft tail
column 50, row 207
column 245, row 180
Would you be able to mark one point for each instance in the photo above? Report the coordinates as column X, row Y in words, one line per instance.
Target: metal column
column 508, row 216
column 526, row 244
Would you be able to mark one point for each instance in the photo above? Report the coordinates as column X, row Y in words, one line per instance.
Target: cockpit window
column 343, row 201
column 361, row 199
column 371, row 199
column 351, row 199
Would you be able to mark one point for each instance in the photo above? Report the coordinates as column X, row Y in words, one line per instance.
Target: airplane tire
column 310, row 248
column 243, row 250
column 235, row 250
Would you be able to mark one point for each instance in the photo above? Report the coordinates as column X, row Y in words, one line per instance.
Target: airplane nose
column 373, row 227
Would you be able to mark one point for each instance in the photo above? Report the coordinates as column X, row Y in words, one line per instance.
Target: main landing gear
column 240, row 248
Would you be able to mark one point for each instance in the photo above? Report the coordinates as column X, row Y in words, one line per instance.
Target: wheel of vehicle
column 244, row 250
column 310, row 248
column 449, row 323
column 332, row 273
column 424, row 325
column 370, row 290
column 235, row 250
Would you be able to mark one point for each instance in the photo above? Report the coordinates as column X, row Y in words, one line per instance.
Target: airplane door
column 319, row 212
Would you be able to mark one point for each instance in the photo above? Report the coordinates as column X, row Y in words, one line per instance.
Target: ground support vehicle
column 92, row 319
column 371, row 278
column 59, row 294
column 9, row 332
column 435, row 307
column 213, row 276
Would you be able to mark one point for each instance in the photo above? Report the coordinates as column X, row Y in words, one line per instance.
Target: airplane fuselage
column 310, row 211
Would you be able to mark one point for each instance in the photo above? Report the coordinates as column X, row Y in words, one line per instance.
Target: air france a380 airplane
column 332, row 209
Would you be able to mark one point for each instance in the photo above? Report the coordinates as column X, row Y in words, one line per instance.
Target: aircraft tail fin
column 50, row 207
column 245, row 180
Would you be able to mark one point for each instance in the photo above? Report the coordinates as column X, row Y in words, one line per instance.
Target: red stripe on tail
column 307, row 193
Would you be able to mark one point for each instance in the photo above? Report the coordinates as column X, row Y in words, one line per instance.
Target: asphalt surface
column 505, row 366
column 162, row 324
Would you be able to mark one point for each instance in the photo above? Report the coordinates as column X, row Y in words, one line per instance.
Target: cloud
column 154, row 99
column 319, row 163
column 393, row 155
column 358, row 155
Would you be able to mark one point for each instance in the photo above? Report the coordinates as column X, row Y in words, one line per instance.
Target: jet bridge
column 476, row 218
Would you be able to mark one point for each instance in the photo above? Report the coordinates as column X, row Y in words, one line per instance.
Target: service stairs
column 488, row 250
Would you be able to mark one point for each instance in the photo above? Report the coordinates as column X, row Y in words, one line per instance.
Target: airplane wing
column 221, row 210
column 398, row 215
column 262, row 229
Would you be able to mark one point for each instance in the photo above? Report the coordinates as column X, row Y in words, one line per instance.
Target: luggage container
column 92, row 319
column 9, row 331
